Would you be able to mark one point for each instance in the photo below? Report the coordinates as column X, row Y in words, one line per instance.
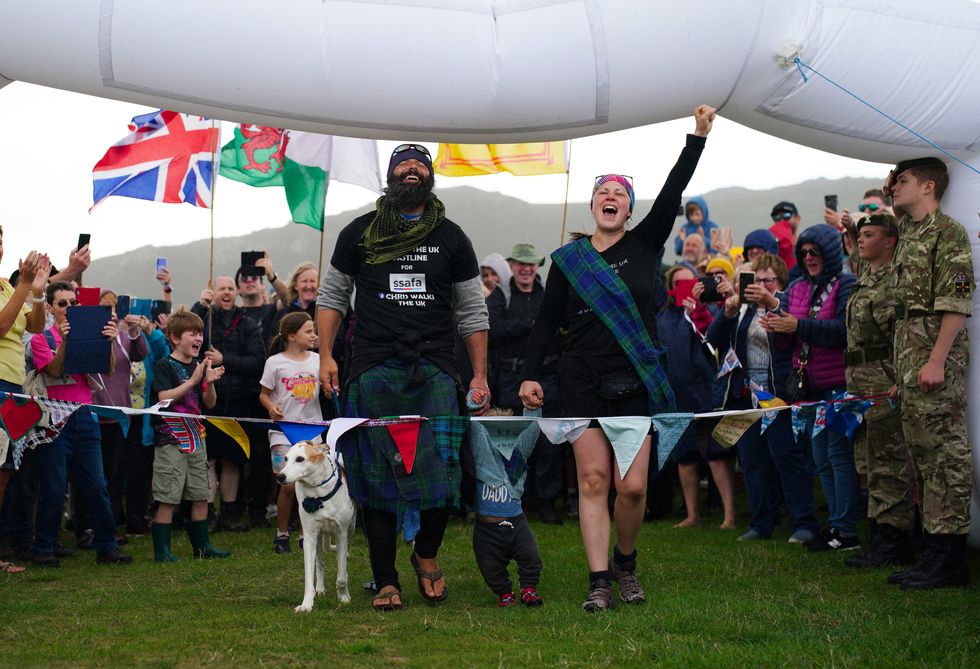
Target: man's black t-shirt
column 409, row 298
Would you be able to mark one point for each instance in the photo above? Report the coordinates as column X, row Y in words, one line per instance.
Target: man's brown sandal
column 432, row 577
column 385, row 599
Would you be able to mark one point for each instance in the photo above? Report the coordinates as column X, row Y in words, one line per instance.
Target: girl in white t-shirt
column 290, row 391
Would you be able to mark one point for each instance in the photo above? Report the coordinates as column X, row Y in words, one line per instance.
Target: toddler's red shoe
column 506, row 599
column 530, row 597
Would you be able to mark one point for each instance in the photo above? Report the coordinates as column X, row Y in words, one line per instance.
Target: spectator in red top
column 786, row 220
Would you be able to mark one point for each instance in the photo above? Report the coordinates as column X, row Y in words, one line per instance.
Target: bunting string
column 626, row 434
column 63, row 407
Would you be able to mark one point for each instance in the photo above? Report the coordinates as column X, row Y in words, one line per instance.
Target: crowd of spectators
column 719, row 328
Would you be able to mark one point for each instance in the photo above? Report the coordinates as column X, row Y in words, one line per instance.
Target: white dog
column 325, row 509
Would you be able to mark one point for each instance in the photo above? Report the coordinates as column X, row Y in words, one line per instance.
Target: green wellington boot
column 197, row 532
column 161, row 543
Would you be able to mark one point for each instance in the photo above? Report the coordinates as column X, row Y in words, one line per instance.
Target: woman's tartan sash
column 610, row 299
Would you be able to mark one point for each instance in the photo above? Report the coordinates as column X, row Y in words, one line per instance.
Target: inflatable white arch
column 516, row 70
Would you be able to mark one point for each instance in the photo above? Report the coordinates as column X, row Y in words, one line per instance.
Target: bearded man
column 417, row 281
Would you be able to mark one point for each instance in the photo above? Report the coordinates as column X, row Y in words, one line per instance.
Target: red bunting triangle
column 19, row 416
column 405, row 436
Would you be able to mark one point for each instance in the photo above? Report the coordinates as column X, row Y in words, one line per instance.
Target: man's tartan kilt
column 376, row 476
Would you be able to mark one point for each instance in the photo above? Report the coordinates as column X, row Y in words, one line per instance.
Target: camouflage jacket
column 871, row 309
column 933, row 266
column 871, row 329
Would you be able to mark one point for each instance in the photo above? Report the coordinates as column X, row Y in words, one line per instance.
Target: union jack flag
column 167, row 157
column 188, row 431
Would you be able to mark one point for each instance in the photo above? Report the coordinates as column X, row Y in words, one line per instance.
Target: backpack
column 35, row 383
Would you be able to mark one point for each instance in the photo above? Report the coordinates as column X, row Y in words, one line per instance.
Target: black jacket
column 239, row 340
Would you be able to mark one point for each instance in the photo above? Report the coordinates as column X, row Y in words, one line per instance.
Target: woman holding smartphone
column 738, row 331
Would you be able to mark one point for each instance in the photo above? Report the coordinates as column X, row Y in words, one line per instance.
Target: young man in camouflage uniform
column 870, row 372
column 933, row 280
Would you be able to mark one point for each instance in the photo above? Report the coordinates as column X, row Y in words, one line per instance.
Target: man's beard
column 406, row 197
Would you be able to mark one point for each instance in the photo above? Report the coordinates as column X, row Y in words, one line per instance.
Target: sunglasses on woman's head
column 61, row 304
column 873, row 207
column 603, row 176
column 409, row 147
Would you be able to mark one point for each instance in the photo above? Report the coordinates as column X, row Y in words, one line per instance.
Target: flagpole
column 568, row 172
column 214, row 166
column 319, row 264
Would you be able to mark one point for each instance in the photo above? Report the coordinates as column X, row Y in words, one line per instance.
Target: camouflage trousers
column 934, row 425
column 879, row 448
column 881, row 445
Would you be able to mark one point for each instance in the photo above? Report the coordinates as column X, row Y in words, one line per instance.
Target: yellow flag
column 523, row 160
column 231, row 427
column 731, row 428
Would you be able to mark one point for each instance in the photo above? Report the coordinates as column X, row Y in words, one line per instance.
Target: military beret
column 886, row 221
column 918, row 162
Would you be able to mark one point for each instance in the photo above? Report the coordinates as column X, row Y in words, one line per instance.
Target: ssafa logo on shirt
column 302, row 387
column 406, row 283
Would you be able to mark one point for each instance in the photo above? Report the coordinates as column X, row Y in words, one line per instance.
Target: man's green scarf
column 390, row 236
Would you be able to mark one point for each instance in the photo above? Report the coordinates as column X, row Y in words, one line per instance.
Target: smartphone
column 249, row 258
column 830, row 202
column 122, row 306
column 683, row 290
column 710, row 293
column 680, row 210
column 83, row 239
column 161, row 264
column 87, row 296
column 745, row 279
column 159, row 307
column 141, row 306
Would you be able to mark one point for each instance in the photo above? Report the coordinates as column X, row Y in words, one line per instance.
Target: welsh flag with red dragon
column 302, row 163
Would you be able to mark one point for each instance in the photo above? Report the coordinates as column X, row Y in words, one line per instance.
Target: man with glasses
column 258, row 470
column 417, row 282
column 874, row 202
column 254, row 302
column 786, row 221
column 78, row 444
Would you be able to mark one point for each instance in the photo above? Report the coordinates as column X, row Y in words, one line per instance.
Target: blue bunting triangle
column 820, row 419
column 846, row 417
column 296, row 432
column 626, row 434
column 113, row 414
column 670, row 428
column 799, row 421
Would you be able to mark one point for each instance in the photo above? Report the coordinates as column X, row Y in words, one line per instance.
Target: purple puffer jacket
column 827, row 333
column 825, row 365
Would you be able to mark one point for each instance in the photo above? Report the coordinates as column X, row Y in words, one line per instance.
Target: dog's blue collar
column 313, row 504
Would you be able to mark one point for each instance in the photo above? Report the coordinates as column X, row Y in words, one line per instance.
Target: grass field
column 712, row 602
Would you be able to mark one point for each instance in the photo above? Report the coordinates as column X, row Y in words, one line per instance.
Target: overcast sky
column 54, row 138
